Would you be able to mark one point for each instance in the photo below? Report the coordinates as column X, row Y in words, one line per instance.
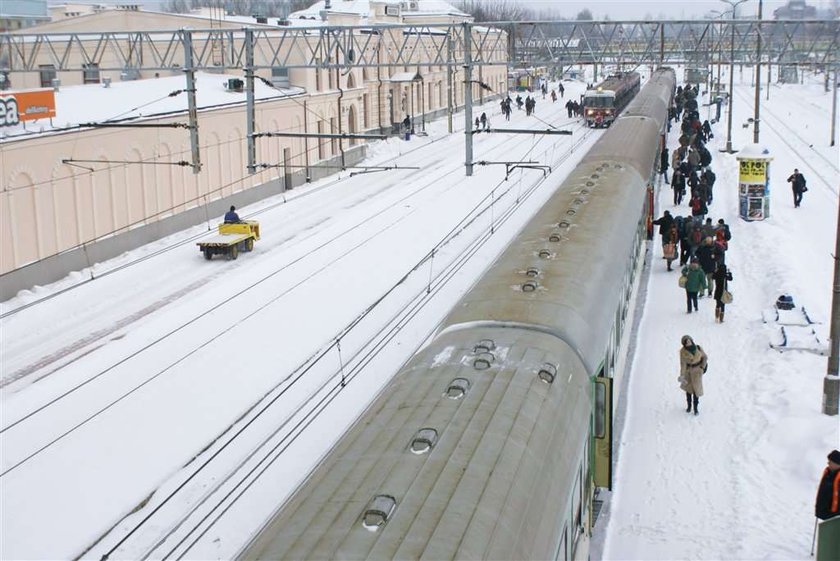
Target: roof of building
column 121, row 101
column 362, row 8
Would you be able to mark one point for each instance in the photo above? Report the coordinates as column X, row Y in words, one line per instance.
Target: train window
column 544, row 254
column 564, row 224
column 600, row 406
column 378, row 512
column 423, row 441
column 554, row 238
column 532, row 272
column 457, row 389
column 571, row 212
column 483, row 361
column 547, row 373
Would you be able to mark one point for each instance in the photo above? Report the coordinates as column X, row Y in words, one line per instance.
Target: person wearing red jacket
column 828, row 493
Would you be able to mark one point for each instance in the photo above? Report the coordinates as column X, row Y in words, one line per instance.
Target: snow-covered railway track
column 131, row 385
column 802, row 148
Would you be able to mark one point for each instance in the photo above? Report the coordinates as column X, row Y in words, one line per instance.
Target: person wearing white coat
column 693, row 364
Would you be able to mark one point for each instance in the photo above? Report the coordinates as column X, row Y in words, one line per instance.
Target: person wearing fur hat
column 693, row 363
column 827, row 504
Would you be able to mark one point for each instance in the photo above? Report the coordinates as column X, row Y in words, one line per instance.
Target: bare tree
column 267, row 8
column 584, row 15
column 495, row 10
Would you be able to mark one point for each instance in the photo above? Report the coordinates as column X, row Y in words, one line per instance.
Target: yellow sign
column 752, row 171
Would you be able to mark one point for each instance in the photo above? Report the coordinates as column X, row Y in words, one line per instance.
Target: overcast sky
column 644, row 9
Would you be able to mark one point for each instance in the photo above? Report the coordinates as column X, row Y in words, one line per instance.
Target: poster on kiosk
column 754, row 182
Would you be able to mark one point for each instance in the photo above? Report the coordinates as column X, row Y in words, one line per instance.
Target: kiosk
column 754, row 182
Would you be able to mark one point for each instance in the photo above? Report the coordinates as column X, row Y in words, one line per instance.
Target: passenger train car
column 602, row 104
column 491, row 441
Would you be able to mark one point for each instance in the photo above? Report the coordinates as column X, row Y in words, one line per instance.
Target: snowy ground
column 739, row 480
column 139, row 409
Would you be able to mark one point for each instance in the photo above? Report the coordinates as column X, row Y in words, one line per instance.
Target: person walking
column 669, row 245
column 561, row 89
column 678, row 185
column 705, row 254
column 797, row 184
column 827, row 504
column 693, row 364
column 663, row 163
column 695, row 281
column 721, row 276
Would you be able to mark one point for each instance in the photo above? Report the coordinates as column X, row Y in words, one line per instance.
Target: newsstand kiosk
column 754, row 182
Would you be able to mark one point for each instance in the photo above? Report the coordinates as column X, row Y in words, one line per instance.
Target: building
column 73, row 194
column 18, row 14
column 795, row 9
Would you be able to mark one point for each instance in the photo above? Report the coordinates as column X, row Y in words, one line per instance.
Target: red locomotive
column 602, row 104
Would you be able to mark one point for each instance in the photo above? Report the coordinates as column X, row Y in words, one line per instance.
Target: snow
column 168, row 406
column 75, row 105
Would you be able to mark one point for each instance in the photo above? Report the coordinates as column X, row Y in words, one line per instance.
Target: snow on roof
column 138, row 98
column 362, row 8
column 405, row 77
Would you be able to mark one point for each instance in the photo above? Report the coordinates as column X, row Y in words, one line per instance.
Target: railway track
column 433, row 188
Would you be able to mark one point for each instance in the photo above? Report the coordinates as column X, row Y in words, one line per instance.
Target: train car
column 491, row 441
column 603, row 103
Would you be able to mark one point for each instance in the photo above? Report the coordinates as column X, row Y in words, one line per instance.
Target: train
column 495, row 438
column 603, row 103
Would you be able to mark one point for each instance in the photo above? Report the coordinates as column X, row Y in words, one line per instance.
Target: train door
column 602, row 431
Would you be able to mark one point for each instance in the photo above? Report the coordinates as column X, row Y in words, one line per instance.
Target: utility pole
column 249, row 99
column 834, row 103
column 758, row 76
column 468, row 135
column 191, row 103
column 731, row 75
column 831, row 382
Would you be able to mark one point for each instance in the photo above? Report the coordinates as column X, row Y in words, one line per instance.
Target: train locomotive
column 492, row 439
column 603, row 103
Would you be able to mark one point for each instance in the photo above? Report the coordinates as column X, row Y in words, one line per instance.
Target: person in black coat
column 708, row 260
column 721, row 276
column 797, row 183
column 678, row 185
column 827, row 504
column 663, row 163
column 664, row 224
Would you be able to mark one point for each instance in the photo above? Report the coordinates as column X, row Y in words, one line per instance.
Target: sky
column 136, row 409
column 672, row 9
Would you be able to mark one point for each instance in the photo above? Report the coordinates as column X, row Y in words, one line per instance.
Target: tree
column 584, row 15
column 495, row 10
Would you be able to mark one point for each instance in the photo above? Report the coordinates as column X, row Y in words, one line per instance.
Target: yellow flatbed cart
column 231, row 239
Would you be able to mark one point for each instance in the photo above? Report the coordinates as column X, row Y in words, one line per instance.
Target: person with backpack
column 693, row 364
column 797, row 183
column 695, row 282
column 698, row 208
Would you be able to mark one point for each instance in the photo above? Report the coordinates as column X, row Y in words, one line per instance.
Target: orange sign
column 26, row 106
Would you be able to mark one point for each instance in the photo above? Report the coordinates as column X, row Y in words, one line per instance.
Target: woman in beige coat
column 693, row 363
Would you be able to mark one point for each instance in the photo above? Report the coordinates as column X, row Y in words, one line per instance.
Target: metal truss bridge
column 555, row 44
